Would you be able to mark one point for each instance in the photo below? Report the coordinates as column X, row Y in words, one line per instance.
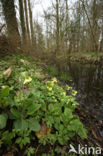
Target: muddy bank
column 87, row 58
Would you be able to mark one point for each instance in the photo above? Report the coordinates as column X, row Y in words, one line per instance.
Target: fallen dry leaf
column 44, row 130
column 7, row 72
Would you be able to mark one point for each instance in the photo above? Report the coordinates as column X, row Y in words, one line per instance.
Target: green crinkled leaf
column 4, row 92
column 82, row 133
column 60, row 140
column 3, row 120
column 75, row 125
column 57, row 110
column 28, row 102
column 15, row 112
column 8, row 136
column 34, row 125
column 50, row 121
column 33, row 108
column 22, row 141
column 21, row 124
column 51, row 107
column 68, row 113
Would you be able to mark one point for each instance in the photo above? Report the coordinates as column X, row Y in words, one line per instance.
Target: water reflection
column 88, row 80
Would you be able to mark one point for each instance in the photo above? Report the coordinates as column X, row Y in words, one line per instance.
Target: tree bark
column 67, row 23
column 57, row 26
column 21, row 12
column 11, row 21
column 26, row 21
column 31, row 24
column 92, row 32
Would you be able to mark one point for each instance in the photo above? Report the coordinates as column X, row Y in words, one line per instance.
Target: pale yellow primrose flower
column 68, row 87
column 27, row 80
column 74, row 92
column 63, row 94
column 21, row 60
column 54, row 80
column 49, row 88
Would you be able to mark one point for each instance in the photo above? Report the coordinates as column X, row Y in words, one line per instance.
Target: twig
column 2, row 27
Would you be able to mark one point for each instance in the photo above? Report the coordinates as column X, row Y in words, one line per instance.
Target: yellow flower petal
column 27, row 80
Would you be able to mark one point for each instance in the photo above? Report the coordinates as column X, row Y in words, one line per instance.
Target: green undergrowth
column 53, row 71
column 63, row 76
column 34, row 110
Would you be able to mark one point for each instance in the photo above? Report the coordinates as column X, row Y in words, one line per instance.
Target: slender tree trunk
column 31, row 23
column 67, row 23
column 11, row 21
column 21, row 11
column 79, row 27
column 26, row 20
column 94, row 24
column 57, row 26
column 83, row 44
column 101, row 42
column 92, row 32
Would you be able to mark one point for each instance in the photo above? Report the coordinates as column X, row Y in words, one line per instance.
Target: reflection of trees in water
column 88, row 79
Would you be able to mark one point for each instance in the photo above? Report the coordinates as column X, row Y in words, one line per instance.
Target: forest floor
column 30, row 114
column 23, row 81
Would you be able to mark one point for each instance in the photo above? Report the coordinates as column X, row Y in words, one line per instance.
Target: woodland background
column 68, row 29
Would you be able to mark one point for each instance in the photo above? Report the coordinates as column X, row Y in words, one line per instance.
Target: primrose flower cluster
column 50, row 84
column 74, row 92
column 25, row 77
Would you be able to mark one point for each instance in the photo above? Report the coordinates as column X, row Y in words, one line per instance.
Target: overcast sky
column 39, row 5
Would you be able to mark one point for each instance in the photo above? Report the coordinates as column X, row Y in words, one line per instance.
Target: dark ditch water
column 88, row 81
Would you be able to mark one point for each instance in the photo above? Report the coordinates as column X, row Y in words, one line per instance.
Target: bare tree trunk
column 21, row 12
column 31, row 24
column 11, row 21
column 26, row 21
column 67, row 23
column 101, row 44
column 57, row 26
column 78, row 28
column 94, row 26
column 92, row 32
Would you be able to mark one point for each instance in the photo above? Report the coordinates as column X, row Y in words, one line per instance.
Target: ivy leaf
column 3, row 120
